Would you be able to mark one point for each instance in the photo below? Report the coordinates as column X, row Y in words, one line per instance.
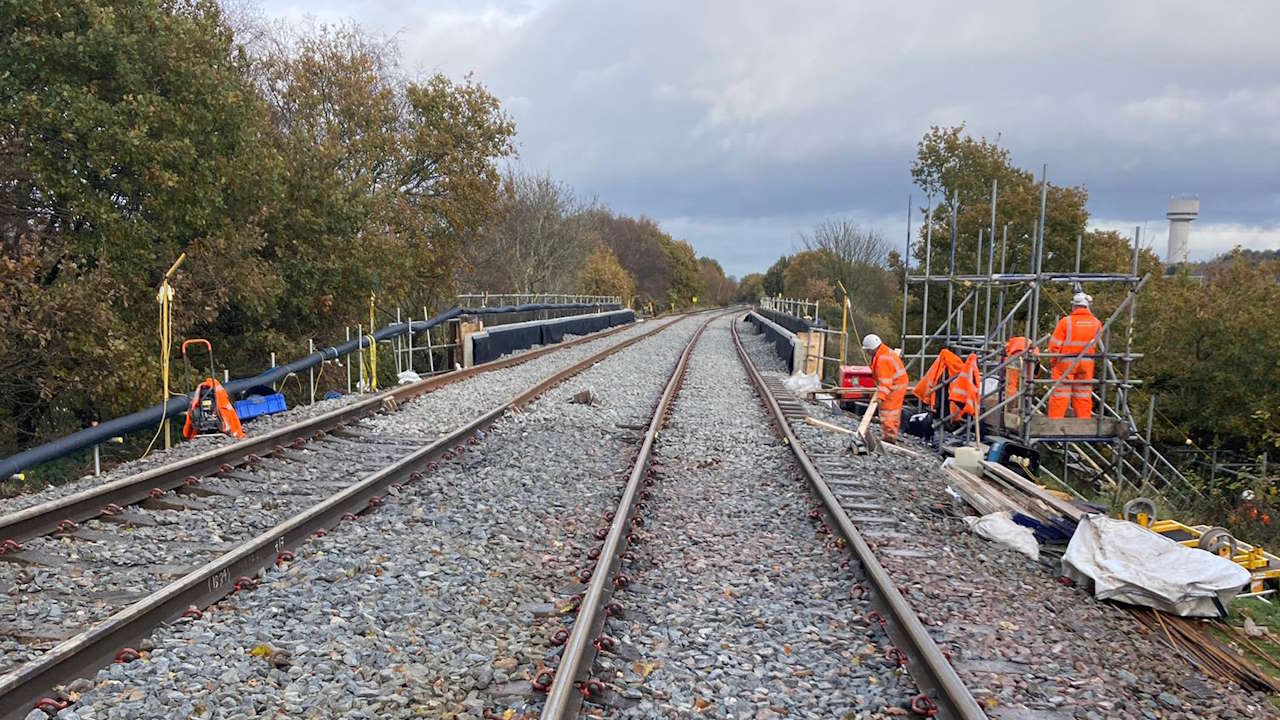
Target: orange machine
column 211, row 411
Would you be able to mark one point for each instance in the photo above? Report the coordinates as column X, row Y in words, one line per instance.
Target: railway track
column 282, row 487
column 731, row 576
column 59, row 514
column 570, row 681
column 844, row 496
column 673, row 613
column 424, row 608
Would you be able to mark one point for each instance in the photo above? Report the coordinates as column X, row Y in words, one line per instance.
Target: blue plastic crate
column 255, row 405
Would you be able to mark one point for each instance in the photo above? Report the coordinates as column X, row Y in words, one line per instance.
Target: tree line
column 302, row 172
column 838, row 253
column 545, row 238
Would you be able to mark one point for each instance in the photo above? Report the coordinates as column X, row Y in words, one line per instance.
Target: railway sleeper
column 173, row 502
column 210, row 490
column 129, row 518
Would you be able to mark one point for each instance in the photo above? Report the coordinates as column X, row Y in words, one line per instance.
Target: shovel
column 863, row 441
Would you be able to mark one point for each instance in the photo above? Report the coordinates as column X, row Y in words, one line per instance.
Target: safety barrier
column 152, row 417
column 494, row 342
column 785, row 342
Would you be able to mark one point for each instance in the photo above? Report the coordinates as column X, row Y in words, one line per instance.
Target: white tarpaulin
column 1128, row 563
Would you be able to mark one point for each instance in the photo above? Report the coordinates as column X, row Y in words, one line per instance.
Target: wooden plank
column 836, row 428
column 984, row 498
column 89, row 535
column 1030, row 488
column 1046, row 427
column 242, row 476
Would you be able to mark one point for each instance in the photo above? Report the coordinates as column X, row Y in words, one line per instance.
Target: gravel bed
column 762, row 352
column 425, row 608
column 744, row 608
column 1025, row 645
column 115, row 566
column 182, row 450
column 107, row 566
column 252, row 428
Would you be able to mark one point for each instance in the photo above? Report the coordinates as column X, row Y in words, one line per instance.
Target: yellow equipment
column 1263, row 567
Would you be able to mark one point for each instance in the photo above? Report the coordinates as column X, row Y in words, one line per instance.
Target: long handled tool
column 863, row 441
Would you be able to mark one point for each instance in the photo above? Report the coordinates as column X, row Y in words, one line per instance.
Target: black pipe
column 153, row 416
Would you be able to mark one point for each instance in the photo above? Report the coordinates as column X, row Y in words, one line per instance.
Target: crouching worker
column 891, row 385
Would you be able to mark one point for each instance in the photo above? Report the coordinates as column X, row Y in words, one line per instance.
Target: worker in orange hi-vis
column 891, row 385
column 1014, row 363
column 1076, row 333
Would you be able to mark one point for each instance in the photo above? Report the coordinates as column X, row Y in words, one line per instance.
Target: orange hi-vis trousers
column 1013, row 350
column 890, row 424
column 891, row 388
column 1077, row 389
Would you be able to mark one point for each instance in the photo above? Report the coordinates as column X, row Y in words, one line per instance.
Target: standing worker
column 1014, row 363
column 891, row 385
column 1075, row 334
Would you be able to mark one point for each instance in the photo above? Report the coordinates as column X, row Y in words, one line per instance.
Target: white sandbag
column 408, row 377
column 1128, row 563
column 1000, row 527
column 801, row 383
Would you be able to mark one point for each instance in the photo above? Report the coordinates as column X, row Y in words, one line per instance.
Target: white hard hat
column 871, row 342
column 1081, row 299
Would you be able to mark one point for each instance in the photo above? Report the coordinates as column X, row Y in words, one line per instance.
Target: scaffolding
column 984, row 309
column 804, row 309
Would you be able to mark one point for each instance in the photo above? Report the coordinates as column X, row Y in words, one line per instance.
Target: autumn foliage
column 300, row 171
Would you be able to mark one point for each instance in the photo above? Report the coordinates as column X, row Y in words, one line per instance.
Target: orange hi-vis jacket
column 1016, row 346
column 964, row 383
column 1074, row 333
column 891, row 378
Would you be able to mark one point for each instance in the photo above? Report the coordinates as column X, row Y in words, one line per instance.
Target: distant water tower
column 1182, row 210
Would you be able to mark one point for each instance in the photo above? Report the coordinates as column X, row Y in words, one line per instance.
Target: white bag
column 801, row 383
column 1000, row 527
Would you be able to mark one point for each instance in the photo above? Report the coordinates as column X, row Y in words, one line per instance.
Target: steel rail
column 91, row 649
column 930, row 669
column 565, row 695
column 47, row 517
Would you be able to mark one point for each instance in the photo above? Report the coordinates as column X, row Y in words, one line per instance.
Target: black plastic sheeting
column 151, row 418
column 783, row 343
column 504, row 340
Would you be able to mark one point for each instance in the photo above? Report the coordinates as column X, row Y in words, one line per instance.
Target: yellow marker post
column 844, row 323
column 373, row 349
column 165, row 297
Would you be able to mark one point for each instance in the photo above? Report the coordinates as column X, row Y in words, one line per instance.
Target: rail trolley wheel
column 1140, row 506
column 1218, row 540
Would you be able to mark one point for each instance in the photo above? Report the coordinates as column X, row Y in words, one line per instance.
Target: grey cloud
column 742, row 123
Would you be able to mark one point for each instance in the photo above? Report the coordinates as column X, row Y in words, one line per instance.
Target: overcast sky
column 737, row 125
